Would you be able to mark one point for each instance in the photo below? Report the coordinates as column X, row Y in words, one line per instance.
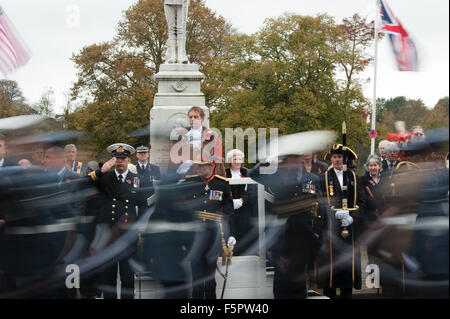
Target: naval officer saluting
column 120, row 205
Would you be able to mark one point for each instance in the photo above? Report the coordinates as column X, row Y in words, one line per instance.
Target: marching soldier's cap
column 121, row 150
column 338, row 149
column 142, row 148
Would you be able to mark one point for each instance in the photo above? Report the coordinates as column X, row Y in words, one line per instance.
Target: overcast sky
column 53, row 33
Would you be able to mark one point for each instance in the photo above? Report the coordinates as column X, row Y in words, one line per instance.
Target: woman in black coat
column 240, row 222
column 372, row 183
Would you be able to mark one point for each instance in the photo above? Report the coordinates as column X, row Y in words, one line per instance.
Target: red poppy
column 129, row 181
column 68, row 180
column 207, row 135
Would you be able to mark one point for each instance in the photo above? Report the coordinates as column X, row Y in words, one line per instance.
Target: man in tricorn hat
column 342, row 267
column 121, row 202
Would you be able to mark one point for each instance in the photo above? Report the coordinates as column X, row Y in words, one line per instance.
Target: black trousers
column 291, row 283
column 203, row 280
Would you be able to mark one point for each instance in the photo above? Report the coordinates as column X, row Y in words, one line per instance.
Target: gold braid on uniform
column 222, row 178
column 409, row 165
column 93, row 176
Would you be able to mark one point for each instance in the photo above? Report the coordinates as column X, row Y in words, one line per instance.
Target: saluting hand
column 108, row 165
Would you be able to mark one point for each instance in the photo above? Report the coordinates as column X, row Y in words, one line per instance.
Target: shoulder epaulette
column 222, row 178
column 93, row 176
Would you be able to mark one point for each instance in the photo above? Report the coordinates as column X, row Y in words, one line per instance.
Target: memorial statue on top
column 176, row 12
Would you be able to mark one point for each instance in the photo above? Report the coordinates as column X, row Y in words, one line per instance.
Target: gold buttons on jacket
column 114, row 199
column 113, row 212
column 113, row 219
column 113, row 206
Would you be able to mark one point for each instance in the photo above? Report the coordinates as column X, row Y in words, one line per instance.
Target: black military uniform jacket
column 119, row 202
column 210, row 200
column 7, row 163
column 147, row 175
column 298, row 201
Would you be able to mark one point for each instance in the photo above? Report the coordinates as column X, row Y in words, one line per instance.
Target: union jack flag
column 13, row 51
column 404, row 49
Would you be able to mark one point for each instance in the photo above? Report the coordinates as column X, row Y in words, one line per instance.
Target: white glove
column 347, row 221
column 341, row 214
column 231, row 241
column 237, row 203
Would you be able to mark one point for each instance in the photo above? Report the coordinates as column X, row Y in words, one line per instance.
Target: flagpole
column 374, row 100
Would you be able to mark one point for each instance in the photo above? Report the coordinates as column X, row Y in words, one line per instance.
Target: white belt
column 40, row 229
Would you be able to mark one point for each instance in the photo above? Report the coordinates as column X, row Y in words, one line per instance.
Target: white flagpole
column 374, row 100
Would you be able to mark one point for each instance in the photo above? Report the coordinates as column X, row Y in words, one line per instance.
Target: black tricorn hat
column 339, row 149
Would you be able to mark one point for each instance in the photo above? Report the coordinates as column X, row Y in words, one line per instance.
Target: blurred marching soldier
column 211, row 199
column 121, row 203
column 297, row 194
column 404, row 246
column 39, row 210
column 342, row 263
column 198, row 208
column 71, row 160
column 147, row 172
column 427, row 258
column 399, row 193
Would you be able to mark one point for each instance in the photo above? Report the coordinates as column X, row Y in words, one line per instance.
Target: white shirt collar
column 142, row 164
column 340, row 176
column 124, row 174
column 2, row 161
column 235, row 174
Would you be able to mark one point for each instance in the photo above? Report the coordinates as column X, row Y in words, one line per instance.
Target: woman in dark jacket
column 372, row 184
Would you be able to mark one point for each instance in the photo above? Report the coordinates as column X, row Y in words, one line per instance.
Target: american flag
column 13, row 51
column 404, row 49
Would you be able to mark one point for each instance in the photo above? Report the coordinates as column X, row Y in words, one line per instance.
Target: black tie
column 120, row 178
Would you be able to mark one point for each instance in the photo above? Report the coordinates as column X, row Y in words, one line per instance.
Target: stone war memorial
column 178, row 86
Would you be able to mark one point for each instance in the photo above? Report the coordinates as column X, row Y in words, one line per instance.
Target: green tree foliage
column 12, row 102
column 412, row 112
column 297, row 73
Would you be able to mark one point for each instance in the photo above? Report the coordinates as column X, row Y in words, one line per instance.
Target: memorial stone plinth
column 178, row 90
